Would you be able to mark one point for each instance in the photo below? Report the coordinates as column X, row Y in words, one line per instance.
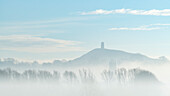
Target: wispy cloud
column 144, row 27
column 49, row 26
column 49, row 21
column 34, row 44
column 135, row 28
column 164, row 12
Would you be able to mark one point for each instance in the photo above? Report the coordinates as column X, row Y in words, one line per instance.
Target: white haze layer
column 99, row 88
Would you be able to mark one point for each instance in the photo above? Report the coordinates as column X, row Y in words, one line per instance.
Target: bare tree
column 70, row 76
column 29, row 75
column 44, row 75
column 107, row 76
column 122, row 75
column 86, row 76
column 56, row 75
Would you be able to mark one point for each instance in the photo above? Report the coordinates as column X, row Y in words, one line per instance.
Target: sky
column 67, row 29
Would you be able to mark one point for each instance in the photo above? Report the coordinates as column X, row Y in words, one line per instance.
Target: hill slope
column 106, row 56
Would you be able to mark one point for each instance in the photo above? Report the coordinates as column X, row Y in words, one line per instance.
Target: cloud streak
column 43, row 26
column 154, row 12
column 34, row 44
column 143, row 28
column 135, row 28
column 49, row 21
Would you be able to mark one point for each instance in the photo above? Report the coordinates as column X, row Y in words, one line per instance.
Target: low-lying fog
column 129, row 80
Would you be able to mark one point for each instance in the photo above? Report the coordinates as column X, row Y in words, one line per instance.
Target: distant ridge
column 103, row 56
column 96, row 57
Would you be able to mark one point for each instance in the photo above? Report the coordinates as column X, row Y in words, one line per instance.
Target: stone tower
column 102, row 45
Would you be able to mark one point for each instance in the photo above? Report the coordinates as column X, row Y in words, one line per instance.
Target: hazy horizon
column 84, row 48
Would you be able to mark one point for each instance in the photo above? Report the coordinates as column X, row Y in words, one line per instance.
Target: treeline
column 85, row 76
column 13, row 63
column 43, row 75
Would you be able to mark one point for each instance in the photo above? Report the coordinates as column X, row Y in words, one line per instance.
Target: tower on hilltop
column 102, row 45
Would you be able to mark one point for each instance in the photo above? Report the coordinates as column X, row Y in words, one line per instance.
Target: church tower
column 102, row 45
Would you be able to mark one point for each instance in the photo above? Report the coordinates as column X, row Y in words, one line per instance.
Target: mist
column 100, row 72
column 136, row 80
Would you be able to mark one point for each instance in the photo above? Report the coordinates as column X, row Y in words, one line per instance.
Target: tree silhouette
column 86, row 76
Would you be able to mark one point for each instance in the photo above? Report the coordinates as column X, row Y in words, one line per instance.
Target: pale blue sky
column 56, row 29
